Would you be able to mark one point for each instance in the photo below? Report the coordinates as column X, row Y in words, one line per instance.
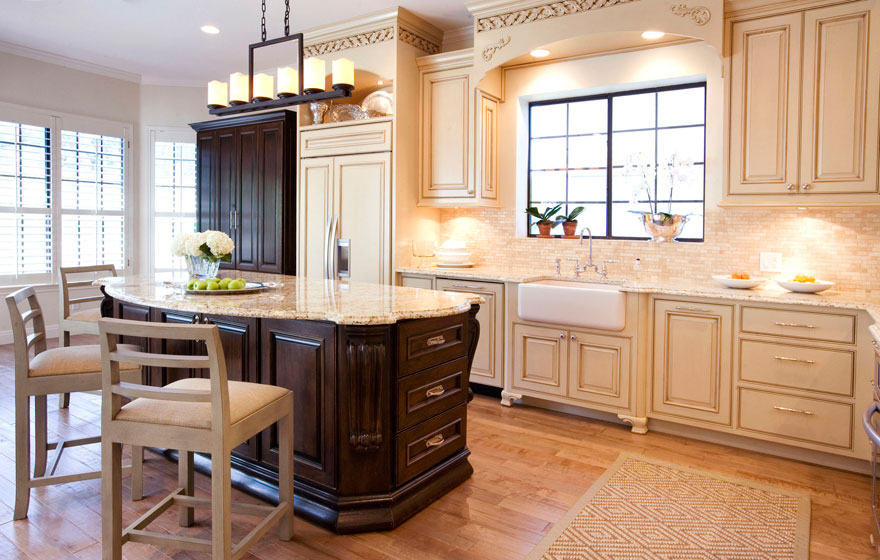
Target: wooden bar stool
column 193, row 415
column 78, row 322
column 60, row 370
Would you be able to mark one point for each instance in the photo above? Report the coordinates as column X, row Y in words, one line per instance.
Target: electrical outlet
column 74, row 306
column 771, row 262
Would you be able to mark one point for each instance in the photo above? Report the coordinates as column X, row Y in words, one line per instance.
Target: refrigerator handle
column 330, row 249
column 869, row 425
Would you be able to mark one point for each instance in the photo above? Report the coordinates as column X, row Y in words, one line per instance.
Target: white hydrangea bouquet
column 203, row 251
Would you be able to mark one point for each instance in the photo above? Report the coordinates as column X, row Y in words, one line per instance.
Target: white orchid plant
column 642, row 170
column 213, row 245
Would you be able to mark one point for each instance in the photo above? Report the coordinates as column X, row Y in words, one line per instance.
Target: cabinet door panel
column 487, row 144
column 599, row 369
column 840, row 99
column 132, row 312
column 540, row 359
column 301, row 356
column 208, row 163
column 488, row 359
column 692, row 360
column 269, row 233
column 177, row 347
column 764, row 104
column 226, row 185
column 446, row 117
column 363, row 186
column 315, row 207
column 247, row 200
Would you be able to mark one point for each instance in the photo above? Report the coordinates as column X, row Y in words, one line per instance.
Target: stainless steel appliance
column 872, row 428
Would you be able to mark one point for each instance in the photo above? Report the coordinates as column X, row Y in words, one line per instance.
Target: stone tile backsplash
column 838, row 244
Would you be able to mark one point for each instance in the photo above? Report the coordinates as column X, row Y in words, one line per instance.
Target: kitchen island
column 379, row 376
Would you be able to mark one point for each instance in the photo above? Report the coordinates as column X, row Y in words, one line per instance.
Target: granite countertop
column 769, row 292
column 347, row 303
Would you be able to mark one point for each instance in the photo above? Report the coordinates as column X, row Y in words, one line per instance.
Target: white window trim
column 158, row 134
column 56, row 120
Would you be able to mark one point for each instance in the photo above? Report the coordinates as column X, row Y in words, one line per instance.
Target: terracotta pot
column 568, row 229
column 544, row 229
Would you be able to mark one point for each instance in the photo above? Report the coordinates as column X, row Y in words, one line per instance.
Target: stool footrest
column 172, row 541
column 256, row 510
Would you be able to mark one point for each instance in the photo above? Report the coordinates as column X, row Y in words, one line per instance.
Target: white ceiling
column 160, row 40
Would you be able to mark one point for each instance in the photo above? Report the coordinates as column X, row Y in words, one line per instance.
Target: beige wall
column 838, row 244
column 51, row 88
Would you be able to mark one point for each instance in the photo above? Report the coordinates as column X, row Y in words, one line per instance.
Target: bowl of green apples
column 223, row 286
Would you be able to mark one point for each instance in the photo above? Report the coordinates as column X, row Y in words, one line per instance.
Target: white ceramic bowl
column 728, row 282
column 453, row 258
column 805, row 287
column 442, row 251
column 453, row 244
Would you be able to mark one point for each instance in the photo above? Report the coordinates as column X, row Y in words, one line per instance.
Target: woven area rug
column 646, row 509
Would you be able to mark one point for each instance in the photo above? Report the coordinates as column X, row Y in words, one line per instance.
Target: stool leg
column 221, row 501
column 22, row 455
column 186, row 480
column 285, row 475
column 40, row 437
column 64, row 398
column 137, row 473
column 111, row 499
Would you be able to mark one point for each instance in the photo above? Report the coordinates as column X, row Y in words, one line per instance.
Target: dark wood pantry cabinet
column 247, row 188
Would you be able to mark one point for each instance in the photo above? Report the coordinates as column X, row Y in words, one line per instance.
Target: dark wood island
column 379, row 376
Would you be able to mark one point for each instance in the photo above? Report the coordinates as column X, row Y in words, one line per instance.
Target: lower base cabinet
column 692, row 361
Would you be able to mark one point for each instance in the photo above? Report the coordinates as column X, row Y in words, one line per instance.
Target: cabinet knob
column 789, row 187
column 561, row 335
column 805, row 187
column 573, row 337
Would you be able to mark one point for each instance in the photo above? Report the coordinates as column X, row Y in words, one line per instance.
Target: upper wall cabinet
column 804, row 96
column 458, row 128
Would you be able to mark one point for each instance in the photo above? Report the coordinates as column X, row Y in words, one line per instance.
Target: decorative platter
column 380, row 101
column 249, row 288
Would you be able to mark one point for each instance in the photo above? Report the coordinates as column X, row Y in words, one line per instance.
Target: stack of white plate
column 453, row 253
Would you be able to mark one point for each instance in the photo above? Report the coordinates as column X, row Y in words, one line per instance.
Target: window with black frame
column 653, row 160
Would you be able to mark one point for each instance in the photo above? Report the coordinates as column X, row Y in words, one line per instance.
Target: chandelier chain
column 263, row 21
column 286, row 18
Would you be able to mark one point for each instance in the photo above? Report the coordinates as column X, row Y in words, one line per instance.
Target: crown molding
column 67, row 62
column 446, row 60
column 352, row 27
column 459, row 35
column 494, row 14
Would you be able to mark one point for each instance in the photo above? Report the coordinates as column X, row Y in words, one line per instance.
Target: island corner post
column 380, row 410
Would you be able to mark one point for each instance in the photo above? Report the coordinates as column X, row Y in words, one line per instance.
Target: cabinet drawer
column 799, row 324
column 345, row 139
column 422, row 344
column 431, row 392
column 796, row 418
column 430, row 442
column 798, row 367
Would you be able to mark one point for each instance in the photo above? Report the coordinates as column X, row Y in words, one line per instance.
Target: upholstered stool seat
column 86, row 315
column 74, row 359
column 244, row 400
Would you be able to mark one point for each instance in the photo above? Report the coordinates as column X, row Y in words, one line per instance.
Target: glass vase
column 202, row 267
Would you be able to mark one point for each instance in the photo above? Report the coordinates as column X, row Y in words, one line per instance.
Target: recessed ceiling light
column 652, row 34
column 539, row 53
column 380, row 82
column 210, row 29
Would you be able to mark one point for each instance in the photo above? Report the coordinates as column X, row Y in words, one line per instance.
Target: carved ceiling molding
column 359, row 40
column 554, row 9
column 700, row 14
column 490, row 51
column 419, row 42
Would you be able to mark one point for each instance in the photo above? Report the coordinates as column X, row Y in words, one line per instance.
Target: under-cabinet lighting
column 652, row 34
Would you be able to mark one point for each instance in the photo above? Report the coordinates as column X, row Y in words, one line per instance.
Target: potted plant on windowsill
column 545, row 219
column 569, row 223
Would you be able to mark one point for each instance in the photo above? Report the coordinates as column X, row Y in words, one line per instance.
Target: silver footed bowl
column 663, row 228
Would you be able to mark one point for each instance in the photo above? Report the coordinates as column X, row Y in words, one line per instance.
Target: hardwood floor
column 530, row 467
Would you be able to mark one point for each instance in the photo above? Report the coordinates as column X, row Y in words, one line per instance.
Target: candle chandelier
column 303, row 84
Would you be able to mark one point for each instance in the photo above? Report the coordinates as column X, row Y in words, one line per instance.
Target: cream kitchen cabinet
column 344, row 210
column 804, row 97
column 692, row 361
column 458, row 129
column 488, row 366
column 540, row 359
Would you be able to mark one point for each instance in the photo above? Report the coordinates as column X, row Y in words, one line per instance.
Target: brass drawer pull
column 436, row 340
column 795, row 410
column 435, row 391
column 799, row 360
column 796, row 325
column 697, row 309
column 438, row 440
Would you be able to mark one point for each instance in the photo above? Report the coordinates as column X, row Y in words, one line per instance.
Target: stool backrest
column 22, row 341
column 65, row 284
column 111, row 329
